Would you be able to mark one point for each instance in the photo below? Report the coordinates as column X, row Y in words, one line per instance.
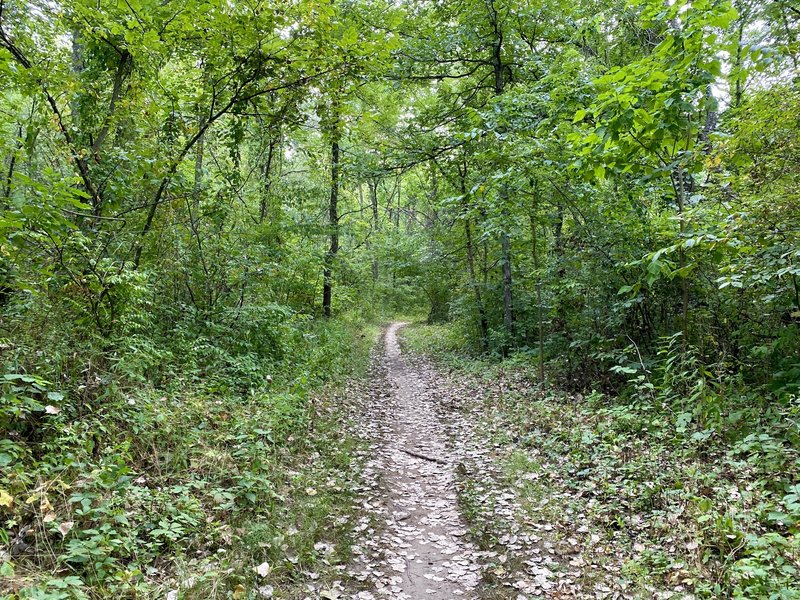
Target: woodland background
column 204, row 205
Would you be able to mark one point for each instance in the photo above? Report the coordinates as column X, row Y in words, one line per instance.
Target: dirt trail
column 422, row 550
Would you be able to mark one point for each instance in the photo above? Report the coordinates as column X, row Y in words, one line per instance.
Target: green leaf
column 6, row 569
column 600, row 172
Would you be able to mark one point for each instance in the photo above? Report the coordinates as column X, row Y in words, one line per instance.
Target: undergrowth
column 176, row 470
column 683, row 483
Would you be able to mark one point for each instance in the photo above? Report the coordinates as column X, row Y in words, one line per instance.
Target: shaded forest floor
column 421, row 473
column 476, row 483
column 445, row 500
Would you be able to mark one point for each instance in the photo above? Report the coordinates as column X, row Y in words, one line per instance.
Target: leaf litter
column 423, row 454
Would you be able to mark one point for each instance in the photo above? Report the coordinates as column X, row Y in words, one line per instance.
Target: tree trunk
column 198, row 166
column 539, row 317
column 376, row 223
column 681, row 194
column 194, row 221
column 508, row 298
column 737, row 65
column 710, row 124
column 483, row 324
column 12, row 163
column 123, row 72
column 499, row 68
column 333, row 218
column 397, row 214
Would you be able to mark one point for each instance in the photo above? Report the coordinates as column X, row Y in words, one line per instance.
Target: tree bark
column 539, row 317
column 123, row 71
column 508, row 297
column 333, row 219
column 376, row 223
column 499, row 69
column 198, row 165
column 12, row 163
column 681, row 197
column 397, row 214
column 483, row 324
column 737, row 65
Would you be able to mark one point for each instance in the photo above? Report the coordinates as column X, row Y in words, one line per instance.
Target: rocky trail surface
column 413, row 540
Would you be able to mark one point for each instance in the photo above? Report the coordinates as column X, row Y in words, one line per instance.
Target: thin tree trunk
column 376, row 223
column 499, row 69
column 333, row 218
column 508, row 298
column 12, row 163
column 682, row 256
column 198, row 166
column 710, row 125
column 397, row 214
column 373, row 198
column 484, row 257
column 123, row 71
column 483, row 323
column 737, row 65
column 539, row 317
column 194, row 218
column 476, row 289
column 10, row 176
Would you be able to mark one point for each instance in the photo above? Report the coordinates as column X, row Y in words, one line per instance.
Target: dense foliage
column 197, row 197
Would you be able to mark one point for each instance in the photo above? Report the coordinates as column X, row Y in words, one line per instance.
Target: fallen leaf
column 6, row 499
column 66, row 527
column 263, row 569
column 51, row 410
